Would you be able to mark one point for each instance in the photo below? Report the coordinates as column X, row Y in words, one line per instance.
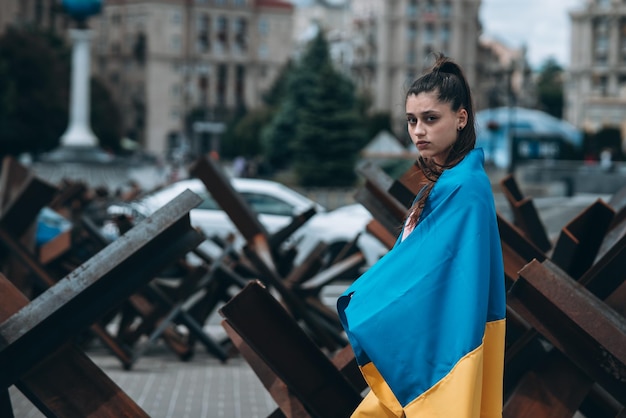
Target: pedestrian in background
column 427, row 322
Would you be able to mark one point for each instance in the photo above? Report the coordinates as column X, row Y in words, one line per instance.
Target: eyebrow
column 425, row 113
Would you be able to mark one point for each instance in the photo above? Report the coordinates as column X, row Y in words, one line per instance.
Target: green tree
column 33, row 92
column 376, row 122
column 244, row 131
column 278, row 90
column 609, row 137
column 106, row 119
column 34, row 95
column 550, row 88
column 242, row 135
column 285, row 99
column 318, row 127
column 330, row 133
column 277, row 137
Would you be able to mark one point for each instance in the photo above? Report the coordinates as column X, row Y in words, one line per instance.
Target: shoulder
column 468, row 174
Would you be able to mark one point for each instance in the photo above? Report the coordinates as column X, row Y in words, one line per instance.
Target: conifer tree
column 318, row 127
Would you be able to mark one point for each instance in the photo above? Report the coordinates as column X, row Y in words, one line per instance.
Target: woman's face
column 433, row 125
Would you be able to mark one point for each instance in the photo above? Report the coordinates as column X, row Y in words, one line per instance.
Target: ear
column 461, row 116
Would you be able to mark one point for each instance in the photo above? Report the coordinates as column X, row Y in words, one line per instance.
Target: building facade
column 504, row 77
column 40, row 13
column 385, row 44
column 595, row 88
column 169, row 60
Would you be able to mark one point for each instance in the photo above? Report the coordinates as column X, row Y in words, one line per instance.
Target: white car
column 275, row 204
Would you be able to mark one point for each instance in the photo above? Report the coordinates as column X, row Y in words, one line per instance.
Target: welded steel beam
column 97, row 286
column 589, row 333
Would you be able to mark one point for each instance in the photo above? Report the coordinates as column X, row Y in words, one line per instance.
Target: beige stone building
column 386, row 44
column 595, row 88
column 40, row 13
column 504, row 77
column 165, row 59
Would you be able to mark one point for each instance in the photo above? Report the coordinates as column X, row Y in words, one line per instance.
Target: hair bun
column 443, row 64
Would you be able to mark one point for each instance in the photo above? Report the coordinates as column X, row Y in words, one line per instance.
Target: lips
column 421, row 144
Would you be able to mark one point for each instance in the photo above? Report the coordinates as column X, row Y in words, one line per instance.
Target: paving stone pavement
column 203, row 387
column 166, row 387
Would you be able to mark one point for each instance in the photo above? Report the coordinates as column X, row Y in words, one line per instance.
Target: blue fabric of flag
column 425, row 304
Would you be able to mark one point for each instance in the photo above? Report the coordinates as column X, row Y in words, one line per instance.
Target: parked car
column 276, row 204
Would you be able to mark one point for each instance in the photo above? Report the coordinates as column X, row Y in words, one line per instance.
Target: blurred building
column 385, row 44
column 595, row 88
column 45, row 14
column 169, row 59
column 504, row 77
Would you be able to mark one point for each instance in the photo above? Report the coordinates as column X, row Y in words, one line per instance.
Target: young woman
column 427, row 322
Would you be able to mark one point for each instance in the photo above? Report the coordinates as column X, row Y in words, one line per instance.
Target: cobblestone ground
column 166, row 387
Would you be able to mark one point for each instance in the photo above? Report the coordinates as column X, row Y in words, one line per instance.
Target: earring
column 460, row 128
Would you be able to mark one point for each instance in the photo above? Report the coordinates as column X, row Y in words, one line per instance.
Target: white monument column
column 79, row 132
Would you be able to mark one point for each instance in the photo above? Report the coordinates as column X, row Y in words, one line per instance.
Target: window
column 411, row 57
column 203, row 87
column 222, row 32
column 601, row 40
column 175, row 43
column 600, row 84
column 445, row 34
column 264, row 27
column 446, row 9
column 203, row 43
column 268, row 205
column 621, row 84
column 208, row 203
column 429, row 33
column 240, row 86
column 222, row 80
column 430, row 6
column 260, row 203
column 411, row 9
column 411, row 32
column 622, row 40
column 241, row 33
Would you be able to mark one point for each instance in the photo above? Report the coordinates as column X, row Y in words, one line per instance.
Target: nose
column 418, row 128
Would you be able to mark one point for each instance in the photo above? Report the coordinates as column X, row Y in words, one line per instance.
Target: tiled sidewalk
column 166, row 387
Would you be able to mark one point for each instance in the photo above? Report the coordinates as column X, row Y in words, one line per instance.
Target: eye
column 412, row 120
column 431, row 118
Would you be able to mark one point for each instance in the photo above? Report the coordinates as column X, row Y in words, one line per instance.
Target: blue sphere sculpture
column 82, row 9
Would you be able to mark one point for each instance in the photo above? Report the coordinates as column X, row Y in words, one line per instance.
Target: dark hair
column 447, row 79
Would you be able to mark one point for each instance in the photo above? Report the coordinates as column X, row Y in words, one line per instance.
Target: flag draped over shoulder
column 426, row 322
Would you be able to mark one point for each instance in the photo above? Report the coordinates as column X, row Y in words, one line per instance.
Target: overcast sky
column 542, row 25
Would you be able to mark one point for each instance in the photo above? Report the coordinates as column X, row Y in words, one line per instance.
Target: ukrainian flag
column 427, row 322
